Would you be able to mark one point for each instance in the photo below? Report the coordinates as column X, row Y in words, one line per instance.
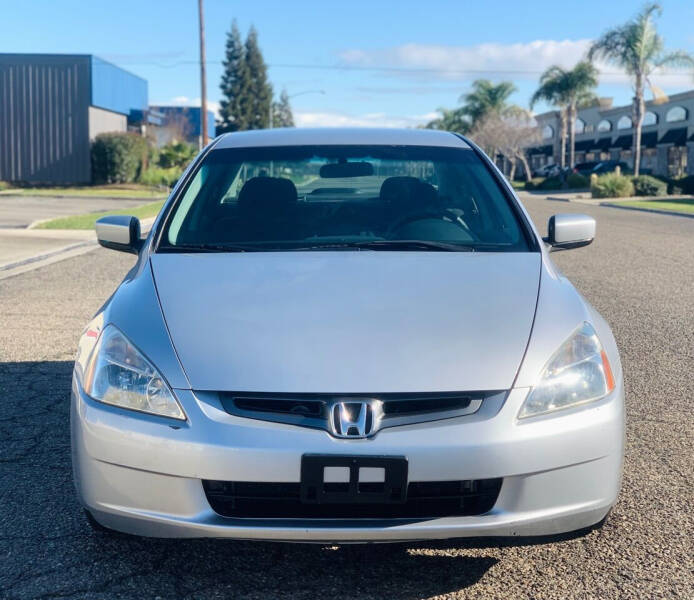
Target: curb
column 145, row 198
column 649, row 210
column 48, row 258
column 54, row 256
column 618, row 204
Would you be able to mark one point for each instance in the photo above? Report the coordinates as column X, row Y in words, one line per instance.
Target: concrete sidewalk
column 23, row 250
column 16, row 245
column 585, row 198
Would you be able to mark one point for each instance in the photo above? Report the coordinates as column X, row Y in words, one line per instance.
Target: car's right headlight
column 578, row 373
column 119, row 374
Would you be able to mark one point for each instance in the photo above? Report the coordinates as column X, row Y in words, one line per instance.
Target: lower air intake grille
column 425, row 499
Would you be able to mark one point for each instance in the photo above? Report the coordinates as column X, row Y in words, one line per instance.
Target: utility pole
column 203, row 79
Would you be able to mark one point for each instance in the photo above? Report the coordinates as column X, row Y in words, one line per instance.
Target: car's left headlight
column 578, row 373
column 119, row 374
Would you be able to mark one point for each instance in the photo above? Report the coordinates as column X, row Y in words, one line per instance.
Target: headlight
column 579, row 372
column 119, row 374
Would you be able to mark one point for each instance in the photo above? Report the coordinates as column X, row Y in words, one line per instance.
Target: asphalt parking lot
column 639, row 274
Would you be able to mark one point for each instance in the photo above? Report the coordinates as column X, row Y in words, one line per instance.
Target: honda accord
column 346, row 335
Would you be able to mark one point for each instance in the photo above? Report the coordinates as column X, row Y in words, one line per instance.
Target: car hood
column 349, row 322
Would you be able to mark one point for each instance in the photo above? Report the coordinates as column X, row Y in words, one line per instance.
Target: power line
column 182, row 63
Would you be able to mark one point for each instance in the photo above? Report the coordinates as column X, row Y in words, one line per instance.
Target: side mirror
column 119, row 232
column 568, row 231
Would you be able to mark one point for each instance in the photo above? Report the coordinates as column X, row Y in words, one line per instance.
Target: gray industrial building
column 604, row 132
column 52, row 106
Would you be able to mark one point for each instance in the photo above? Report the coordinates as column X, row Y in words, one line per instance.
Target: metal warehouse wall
column 117, row 90
column 44, row 127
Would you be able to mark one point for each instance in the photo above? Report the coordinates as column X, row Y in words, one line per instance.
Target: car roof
column 324, row 136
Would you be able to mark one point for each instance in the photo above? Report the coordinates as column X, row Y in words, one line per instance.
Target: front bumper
column 142, row 475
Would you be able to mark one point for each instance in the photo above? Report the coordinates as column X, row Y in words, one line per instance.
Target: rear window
column 341, row 197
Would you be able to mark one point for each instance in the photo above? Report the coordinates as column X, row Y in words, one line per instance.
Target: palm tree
column 450, row 120
column 637, row 48
column 486, row 98
column 552, row 92
column 569, row 90
column 578, row 86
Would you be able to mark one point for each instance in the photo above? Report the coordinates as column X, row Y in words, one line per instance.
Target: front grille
column 425, row 500
column 313, row 410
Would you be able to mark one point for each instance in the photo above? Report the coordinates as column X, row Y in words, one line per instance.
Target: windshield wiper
column 391, row 245
column 421, row 245
column 210, row 248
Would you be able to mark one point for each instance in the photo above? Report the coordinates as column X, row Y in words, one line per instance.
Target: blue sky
column 432, row 49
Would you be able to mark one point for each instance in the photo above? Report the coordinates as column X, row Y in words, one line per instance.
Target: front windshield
column 343, row 197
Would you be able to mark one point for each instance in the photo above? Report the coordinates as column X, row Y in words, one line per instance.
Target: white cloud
column 520, row 61
column 337, row 119
column 465, row 62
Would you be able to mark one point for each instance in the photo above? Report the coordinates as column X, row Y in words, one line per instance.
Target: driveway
column 639, row 273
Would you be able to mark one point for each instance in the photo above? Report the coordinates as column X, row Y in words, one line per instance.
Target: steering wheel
column 443, row 214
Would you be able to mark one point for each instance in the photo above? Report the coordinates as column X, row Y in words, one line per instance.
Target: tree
column 486, row 98
column 637, row 48
column 282, row 112
column 509, row 134
column 235, row 84
column 176, row 154
column 569, row 89
column 551, row 92
column 579, row 83
column 450, row 120
column 259, row 89
column 175, row 128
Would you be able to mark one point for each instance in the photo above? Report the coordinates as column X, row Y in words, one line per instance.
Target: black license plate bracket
column 315, row 490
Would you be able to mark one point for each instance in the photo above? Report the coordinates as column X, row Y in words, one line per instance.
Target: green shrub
column 551, row 183
column 534, row 183
column 685, row 184
column 645, row 185
column 158, row 176
column 4, row 185
column 576, row 180
column 117, row 157
column 176, row 154
column 612, row 185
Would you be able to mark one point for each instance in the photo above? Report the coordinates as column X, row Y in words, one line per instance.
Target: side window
column 234, row 188
column 191, row 194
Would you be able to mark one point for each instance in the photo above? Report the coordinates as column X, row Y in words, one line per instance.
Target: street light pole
column 203, row 78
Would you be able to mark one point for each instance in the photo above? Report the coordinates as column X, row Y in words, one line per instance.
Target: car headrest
column 262, row 194
column 407, row 190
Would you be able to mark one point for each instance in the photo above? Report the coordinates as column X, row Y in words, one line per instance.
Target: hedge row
column 573, row 181
column 612, row 185
column 121, row 158
column 118, row 157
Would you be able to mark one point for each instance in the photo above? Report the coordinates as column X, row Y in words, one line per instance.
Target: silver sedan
column 346, row 335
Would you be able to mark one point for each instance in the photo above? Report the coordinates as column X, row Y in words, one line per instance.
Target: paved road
column 17, row 244
column 21, row 211
column 639, row 274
